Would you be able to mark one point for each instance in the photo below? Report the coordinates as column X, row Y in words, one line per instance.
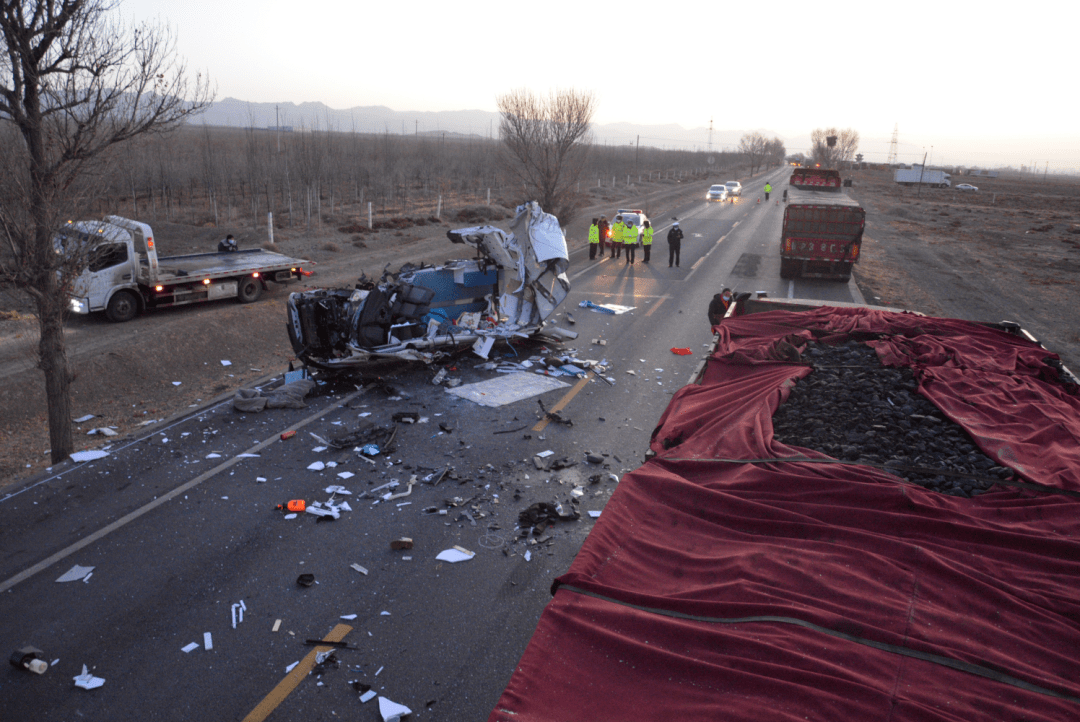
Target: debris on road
column 76, row 574
column 392, row 711
column 29, row 658
column 296, row 505
column 84, row 419
column 305, row 580
column 288, row 396
column 539, row 516
column 189, row 648
column 401, row 543
column 80, row 456
column 87, row 680
column 287, row 434
column 238, row 610
column 455, row 554
column 359, row 568
column 507, row 389
column 681, row 351
column 609, row 308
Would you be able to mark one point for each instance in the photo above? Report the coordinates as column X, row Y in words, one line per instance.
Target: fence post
column 270, row 226
column 369, row 216
column 489, row 197
column 438, row 211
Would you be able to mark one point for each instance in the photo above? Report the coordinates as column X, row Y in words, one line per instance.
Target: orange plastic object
column 682, row 351
column 287, row 435
column 294, row 505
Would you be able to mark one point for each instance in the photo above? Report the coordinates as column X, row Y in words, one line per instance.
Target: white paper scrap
column 317, row 449
column 528, row 555
column 291, row 666
column 368, row 696
column 226, row 363
column 594, row 514
column 317, row 466
column 338, row 489
column 455, row 555
column 213, row 456
column 345, row 475
column 260, row 479
column 545, row 454
column 207, row 640
column 392, row 711
column 84, row 419
column 177, row 383
column 348, row 616
column 190, row 648
column 88, row 455
column 87, row 680
column 359, row 568
column 76, row 573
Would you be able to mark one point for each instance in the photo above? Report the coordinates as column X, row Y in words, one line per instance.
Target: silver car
column 734, row 188
column 717, row 193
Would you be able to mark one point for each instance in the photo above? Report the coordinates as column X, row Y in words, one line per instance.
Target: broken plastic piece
column 392, row 711
column 79, row 456
column 84, row 419
column 367, row 696
column 455, row 554
column 189, row 648
column 287, row 434
column 359, row 568
column 87, row 680
column 293, row 505
column 317, row 466
column 75, row 574
column 305, row 580
column 681, row 351
column 402, row 543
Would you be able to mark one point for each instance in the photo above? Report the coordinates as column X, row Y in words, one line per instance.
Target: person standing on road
column 646, row 241
column 617, row 237
column 605, row 234
column 594, row 238
column 630, row 240
column 674, row 244
column 768, row 190
column 785, row 195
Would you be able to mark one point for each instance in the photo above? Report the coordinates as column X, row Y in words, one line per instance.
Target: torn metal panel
column 509, row 291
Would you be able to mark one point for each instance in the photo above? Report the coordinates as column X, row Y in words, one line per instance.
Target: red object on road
column 287, row 435
column 681, row 351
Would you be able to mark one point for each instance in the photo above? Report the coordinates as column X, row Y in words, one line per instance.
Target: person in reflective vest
column 768, row 190
column 646, row 240
column 617, row 237
column 630, row 240
column 594, row 238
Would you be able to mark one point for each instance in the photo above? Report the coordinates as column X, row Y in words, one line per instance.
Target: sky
column 979, row 83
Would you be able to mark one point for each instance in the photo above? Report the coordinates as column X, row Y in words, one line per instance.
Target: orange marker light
column 255, row 275
column 206, row 281
column 159, row 289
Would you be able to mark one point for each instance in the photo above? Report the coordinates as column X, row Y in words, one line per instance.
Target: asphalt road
column 180, row 529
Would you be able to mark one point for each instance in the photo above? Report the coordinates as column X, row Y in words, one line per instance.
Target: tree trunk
column 52, row 360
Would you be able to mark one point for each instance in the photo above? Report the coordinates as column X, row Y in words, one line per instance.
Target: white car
column 717, row 193
column 966, row 187
column 633, row 217
column 734, row 188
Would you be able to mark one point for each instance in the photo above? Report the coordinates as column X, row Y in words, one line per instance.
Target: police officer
column 768, row 190
column 646, row 240
column 674, row 244
column 617, row 237
column 594, row 238
column 630, row 240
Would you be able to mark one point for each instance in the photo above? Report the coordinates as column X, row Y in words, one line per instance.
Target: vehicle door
column 109, row 267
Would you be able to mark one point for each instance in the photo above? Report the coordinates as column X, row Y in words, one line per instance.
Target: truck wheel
column 788, row 268
column 249, row 290
column 123, row 306
column 845, row 272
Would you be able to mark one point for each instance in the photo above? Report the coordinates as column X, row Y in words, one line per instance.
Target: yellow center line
column 562, row 404
column 295, row 677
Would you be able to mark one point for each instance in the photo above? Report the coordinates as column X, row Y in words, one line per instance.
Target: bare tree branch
column 74, row 83
column 546, row 143
column 846, row 144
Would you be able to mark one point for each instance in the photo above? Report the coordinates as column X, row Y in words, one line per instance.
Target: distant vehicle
column 966, row 187
column 924, row 176
column 717, row 193
column 734, row 188
column 633, row 217
column 823, row 227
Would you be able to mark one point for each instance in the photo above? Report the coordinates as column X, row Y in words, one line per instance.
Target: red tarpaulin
column 714, row 590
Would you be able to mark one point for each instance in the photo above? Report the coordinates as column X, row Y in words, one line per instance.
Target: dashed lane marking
column 542, row 424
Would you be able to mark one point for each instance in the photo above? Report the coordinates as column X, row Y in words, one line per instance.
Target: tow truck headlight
column 80, row 305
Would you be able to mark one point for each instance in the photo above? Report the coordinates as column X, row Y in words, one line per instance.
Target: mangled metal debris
column 508, row 291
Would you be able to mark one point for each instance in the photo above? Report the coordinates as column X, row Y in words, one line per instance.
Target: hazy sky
column 983, row 83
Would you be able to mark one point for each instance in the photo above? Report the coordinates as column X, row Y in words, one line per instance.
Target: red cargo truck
column 823, row 227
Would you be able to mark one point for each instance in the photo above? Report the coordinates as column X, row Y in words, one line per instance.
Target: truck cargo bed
column 216, row 265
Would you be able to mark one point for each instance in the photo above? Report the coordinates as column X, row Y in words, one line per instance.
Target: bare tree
column 546, row 143
column 774, row 152
column 74, row 83
column 842, row 151
column 754, row 147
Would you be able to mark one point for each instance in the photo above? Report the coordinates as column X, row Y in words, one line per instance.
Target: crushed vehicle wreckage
column 513, row 286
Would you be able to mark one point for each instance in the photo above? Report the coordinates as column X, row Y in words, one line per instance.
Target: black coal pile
column 854, row 409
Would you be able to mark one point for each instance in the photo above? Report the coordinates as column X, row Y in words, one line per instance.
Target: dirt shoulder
column 1010, row 251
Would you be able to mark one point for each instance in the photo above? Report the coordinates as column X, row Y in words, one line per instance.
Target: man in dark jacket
column 605, row 234
column 718, row 306
column 674, row 244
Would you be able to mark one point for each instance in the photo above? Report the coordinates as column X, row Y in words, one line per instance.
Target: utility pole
column 637, row 152
column 277, row 125
column 417, row 129
column 922, row 169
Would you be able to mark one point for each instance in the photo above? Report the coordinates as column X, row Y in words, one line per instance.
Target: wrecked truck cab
column 510, row 289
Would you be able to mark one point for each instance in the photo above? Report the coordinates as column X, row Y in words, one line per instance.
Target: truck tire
column 123, row 306
column 845, row 272
column 789, row 268
column 249, row 290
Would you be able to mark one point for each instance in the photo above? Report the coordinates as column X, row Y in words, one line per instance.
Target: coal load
column 854, row 409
